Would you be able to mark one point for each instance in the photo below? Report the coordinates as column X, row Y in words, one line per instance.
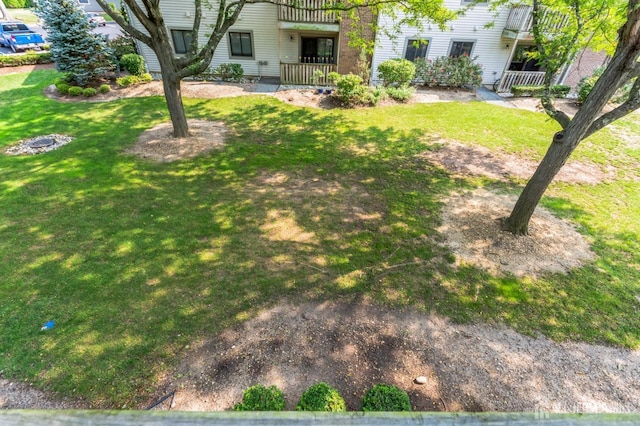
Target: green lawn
column 136, row 260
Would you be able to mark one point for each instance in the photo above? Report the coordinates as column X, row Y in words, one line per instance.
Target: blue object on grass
column 48, row 325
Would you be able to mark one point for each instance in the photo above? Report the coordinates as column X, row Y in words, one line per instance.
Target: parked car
column 96, row 18
column 18, row 36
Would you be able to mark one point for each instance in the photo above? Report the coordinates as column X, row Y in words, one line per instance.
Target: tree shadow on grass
column 135, row 261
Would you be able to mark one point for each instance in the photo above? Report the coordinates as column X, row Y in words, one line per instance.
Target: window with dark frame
column 181, row 41
column 416, row 49
column 241, row 44
column 317, row 50
column 459, row 48
column 83, row 1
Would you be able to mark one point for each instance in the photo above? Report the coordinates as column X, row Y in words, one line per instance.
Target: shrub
column 63, row 88
column 104, row 88
column 133, row 63
column 126, row 81
column 146, row 78
column 29, row 58
column 449, row 72
column 556, row 91
column 386, row 398
column 321, row 397
column 260, row 398
column 89, row 92
column 396, row 72
column 585, row 84
column 400, row 94
column 76, row 90
column 121, row 46
column 229, row 72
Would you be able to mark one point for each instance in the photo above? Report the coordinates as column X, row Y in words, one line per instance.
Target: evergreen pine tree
column 74, row 47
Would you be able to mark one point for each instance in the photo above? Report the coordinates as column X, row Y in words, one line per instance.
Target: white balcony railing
column 303, row 73
column 306, row 11
column 519, row 78
column 521, row 20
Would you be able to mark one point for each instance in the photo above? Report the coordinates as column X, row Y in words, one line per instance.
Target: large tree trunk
column 622, row 67
column 173, row 96
column 554, row 159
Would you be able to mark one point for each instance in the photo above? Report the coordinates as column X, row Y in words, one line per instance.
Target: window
column 181, row 40
column 83, row 1
column 459, row 48
column 416, row 48
column 241, row 44
column 317, row 50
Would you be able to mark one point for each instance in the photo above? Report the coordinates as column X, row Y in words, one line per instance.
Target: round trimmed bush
column 104, row 88
column 321, row 397
column 133, row 63
column 383, row 397
column 260, row 398
column 89, row 92
column 76, row 90
column 63, row 88
column 397, row 72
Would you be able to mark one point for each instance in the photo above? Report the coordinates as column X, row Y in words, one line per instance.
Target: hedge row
column 557, row 91
column 322, row 397
column 29, row 58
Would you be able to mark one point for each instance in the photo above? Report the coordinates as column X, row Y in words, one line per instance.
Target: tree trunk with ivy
column 623, row 68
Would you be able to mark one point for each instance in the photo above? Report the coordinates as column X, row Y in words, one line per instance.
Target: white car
column 96, row 18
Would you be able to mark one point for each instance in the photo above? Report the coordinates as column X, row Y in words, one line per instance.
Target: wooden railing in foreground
column 303, row 73
column 299, row 418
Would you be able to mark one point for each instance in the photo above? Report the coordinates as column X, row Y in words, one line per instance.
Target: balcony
column 519, row 78
column 310, row 11
column 520, row 21
column 303, row 73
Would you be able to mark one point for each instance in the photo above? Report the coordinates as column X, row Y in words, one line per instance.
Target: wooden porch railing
column 303, row 73
column 306, row 11
column 519, row 78
column 521, row 20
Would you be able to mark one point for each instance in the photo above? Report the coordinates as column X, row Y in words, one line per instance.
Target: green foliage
column 133, row 63
column 18, row 4
column 130, row 80
column 62, row 87
column 121, row 46
column 585, row 85
column 321, row 397
column 396, row 72
column 449, row 72
column 383, row 397
column 74, row 46
column 260, row 398
column 89, row 92
column 76, row 90
column 29, row 58
column 400, row 94
column 229, row 72
column 104, row 88
column 556, row 91
column 352, row 92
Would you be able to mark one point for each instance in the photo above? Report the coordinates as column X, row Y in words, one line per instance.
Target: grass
column 135, row 261
column 25, row 15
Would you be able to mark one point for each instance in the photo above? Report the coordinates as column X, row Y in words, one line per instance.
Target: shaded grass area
column 135, row 261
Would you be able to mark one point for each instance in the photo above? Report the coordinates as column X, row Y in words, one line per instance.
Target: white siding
column 490, row 48
column 259, row 19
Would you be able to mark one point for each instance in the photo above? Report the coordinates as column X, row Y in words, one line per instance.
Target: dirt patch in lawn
column 471, row 225
column 159, row 144
column 464, row 160
column 353, row 346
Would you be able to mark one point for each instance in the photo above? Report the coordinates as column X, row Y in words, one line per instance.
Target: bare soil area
column 355, row 344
